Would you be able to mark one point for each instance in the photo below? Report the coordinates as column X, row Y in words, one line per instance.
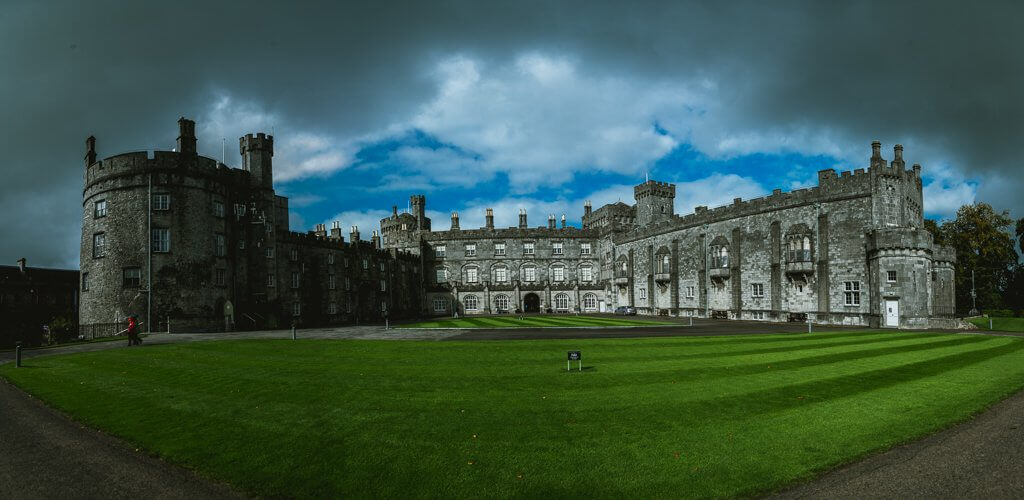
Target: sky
column 535, row 105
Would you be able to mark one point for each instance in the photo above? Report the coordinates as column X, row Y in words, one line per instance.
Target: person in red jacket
column 133, row 333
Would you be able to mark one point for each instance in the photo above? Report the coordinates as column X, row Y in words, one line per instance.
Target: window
column 85, row 282
column 499, row 249
column 800, row 248
column 890, row 276
column 562, row 302
column 218, row 277
column 271, row 282
column 161, row 240
column 239, row 210
column 528, row 248
column 132, row 277
column 218, row 208
column 383, row 285
column 529, row 274
column 643, row 293
column 800, row 289
column 665, row 263
column 219, row 247
column 241, row 244
column 99, row 245
column 719, row 257
column 471, row 275
column 330, row 258
column 471, row 302
column 586, row 273
column 296, row 308
column 589, row 302
column 757, row 315
column 332, row 281
column 332, row 308
column 851, row 293
column 501, row 303
column 470, row 249
column 346, row 261
column 366, row 264
column 558, row 273
column 501, row 274
column 556, row 248
column 439, row 251
column 689, row 292
column 584, row 248
column 269, row 251
column 293, row 255
column 440, row 304
column 100, row 209
column 348, row 304
column 295, row 279
column 441, row 275
column 348, row 284
column 757, row 290
column 161, row 201
column 381, row 266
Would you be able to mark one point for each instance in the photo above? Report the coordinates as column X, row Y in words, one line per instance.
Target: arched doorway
column 531, row 303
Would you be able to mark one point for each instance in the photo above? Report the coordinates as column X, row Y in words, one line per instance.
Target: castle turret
column 90, row 151
column 489, row 217
column 418, row 204
column 186, row 136
column 876, row 155
column 257, row 152
column 587, row 208
column 522, row 218
column 897, row 157
column 655, row 202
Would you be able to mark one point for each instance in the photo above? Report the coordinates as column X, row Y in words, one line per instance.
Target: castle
column 180, row 236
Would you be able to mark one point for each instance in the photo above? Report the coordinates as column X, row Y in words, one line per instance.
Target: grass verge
column 550, row 321
column 1000, row 324
column 666, row 417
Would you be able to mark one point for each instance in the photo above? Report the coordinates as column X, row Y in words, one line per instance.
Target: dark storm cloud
column 942, row 76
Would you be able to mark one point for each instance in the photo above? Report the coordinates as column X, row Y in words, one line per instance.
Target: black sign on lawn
column 574, row 356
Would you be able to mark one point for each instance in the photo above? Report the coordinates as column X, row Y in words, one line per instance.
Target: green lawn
column 665, row 417
column 1001, row 324
column 550, row 321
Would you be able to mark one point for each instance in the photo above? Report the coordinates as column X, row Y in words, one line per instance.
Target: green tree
column 983, row 245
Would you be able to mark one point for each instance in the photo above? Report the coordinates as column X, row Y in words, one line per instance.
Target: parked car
column 625, row 311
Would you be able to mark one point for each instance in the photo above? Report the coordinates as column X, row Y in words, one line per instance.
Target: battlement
column 511, row 233
column 137, row 162
column 654, row 188
column 900, row 238
column 258, row 142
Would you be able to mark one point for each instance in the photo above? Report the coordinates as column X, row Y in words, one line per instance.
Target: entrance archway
column 531, row 303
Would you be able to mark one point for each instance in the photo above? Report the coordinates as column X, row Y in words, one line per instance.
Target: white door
column 601, row 306
column 892, row 313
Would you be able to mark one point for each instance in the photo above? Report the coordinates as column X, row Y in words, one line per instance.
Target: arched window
column 562, row 302
column 471, row 302
column 590, row 302
column 501, row 302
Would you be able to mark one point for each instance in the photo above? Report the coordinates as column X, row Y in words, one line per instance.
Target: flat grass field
column 1000, row 324
column 653, row 417
column 547, row 321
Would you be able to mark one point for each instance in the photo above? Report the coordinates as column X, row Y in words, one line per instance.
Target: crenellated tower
column 257, row 153
column 655, row 202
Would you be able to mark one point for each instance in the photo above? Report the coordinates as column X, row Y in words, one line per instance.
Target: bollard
column 293, row 332
column 808, row 325
column 990, row 323
column 691, row 320
column 17, row 354
column 387, row 324
column 168, row 324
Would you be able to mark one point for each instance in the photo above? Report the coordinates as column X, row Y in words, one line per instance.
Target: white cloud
column 944, row 200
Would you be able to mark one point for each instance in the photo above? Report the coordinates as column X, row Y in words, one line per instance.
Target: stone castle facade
column 174, row 235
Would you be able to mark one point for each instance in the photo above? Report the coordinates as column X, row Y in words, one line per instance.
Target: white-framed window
column 296, row 308
column 85, row 282
column 529, row 274
column 161, row 201
column 890, row 276
column 99, row 245
column 293, row 254
column 528, row 248
column 441, row 275
column 383, row 285
column 643, row 293
column 439, row 250
column 500, row 274
column 218, row 276
column 562, row 302
column 472, row 274
column 218, row 208
column 584, row 248
column 499, row 249
column 332, row 281
column 269, row 252
column 470, row 249
column 590, row 302
column 131, row 277
column 556, row 248
column 161, row 240
column 501, row 302
column 100, row 209
column 851, row 293
column 471, row 302
column 757, row 289
column 295, row 279
column 366, row 263
column 219, row 246
column 586, row 273
column 440, row 304
column 332, row 308
column 689, row 292
column 239, row 209
column 348, row 283
column 330, row 258
column 557, row 273
column 271, row 280
column 757, row 315
column 665, row 263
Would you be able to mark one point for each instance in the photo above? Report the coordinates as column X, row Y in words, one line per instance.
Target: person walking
column 133, row 334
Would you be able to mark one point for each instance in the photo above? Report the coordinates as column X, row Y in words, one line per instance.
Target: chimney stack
column 186, row 136
column 455, row 220
column 354, row 235
column 375, row 239
column 522, row 218
column 876, row 155
column 321, row 230
column 336, row 231
column 21, row 265
column 897, row 156
column 551, row 221
column 490, row 218
column 586, row 208
column 563, row 221
column 90, row 151
column 394, row 211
